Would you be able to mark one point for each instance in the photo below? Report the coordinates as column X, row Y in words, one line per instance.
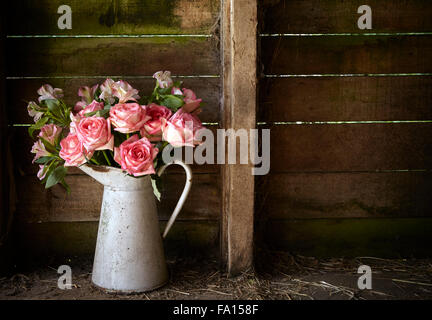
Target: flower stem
column 106, row 157
column 95, row 161
column 127, row 136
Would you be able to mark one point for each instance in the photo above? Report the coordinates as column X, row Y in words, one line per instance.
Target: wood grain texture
column 36, row 204
column 239, row 57
column 346, row 54
column 20, row 91
column 110, row 57
column 38, row 242
column 336, row 16
column 347, row 195
column 347, row 98
column 385, row 238
column 136, row 17
column 351, row 147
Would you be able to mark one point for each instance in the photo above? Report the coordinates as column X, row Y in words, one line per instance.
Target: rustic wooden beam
column 238, row 27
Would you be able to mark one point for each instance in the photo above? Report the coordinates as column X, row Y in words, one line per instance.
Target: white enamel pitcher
column 129, row 253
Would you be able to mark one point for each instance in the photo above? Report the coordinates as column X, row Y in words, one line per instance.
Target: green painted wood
column 20, row 91
column 335, row 16
column 351, row 147
column 36, row 204
column 346, row 98
column 346, row 54
column 345, row 195
column 128, row 17
column 110, row 57
column 385, row 238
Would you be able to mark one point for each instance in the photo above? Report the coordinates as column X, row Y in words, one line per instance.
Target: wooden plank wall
column 350, row 113
column 128, row 39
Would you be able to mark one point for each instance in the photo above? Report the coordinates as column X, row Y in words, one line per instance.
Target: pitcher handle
column 183, row 196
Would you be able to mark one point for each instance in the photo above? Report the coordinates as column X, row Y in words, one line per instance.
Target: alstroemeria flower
column 176, row 91
column 107, row 91
column 39, row 149
column 42, row 172
column 87, row 96
column 51, row 133
column 125, row 92
column 164, row 79
column 191, row 102
column 48, row 92
column 35, row 111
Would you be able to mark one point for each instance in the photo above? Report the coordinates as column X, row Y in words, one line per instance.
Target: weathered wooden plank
column 20, row 91
column 36, row 204
column 386, row 238
column 110, row 57
column 351, row 147
column 134, row 17
column 347, row 54
column 39, row 242
column 346, row 98
column 22, row 158
column 346, row 195
column 335, row 16
column 239, row 56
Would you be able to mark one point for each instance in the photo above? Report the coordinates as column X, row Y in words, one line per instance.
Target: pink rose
column 94, row 133
column 94, row 106
column 190, row 100
column 39, row 149
column 128, row 117
column 136, row 156
column 48, row 92
column 180, row 130
column 51, row 133
column 73, row 152
column 163, row 79
column 156, row 114
column 124, row 92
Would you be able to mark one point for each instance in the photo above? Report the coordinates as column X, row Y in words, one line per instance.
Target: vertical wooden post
column 239, row 25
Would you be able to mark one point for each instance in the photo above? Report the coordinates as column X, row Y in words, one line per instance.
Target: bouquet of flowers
column 111, row 125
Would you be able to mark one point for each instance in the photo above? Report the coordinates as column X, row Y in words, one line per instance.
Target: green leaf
column 37, row 125
column 172, row 102
column 155, row 189
column 99, row 113
column 56, row 176
column 66, row 186
column 53, row 106
column 48, row 146
column 163, row 91
column 45, row 159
